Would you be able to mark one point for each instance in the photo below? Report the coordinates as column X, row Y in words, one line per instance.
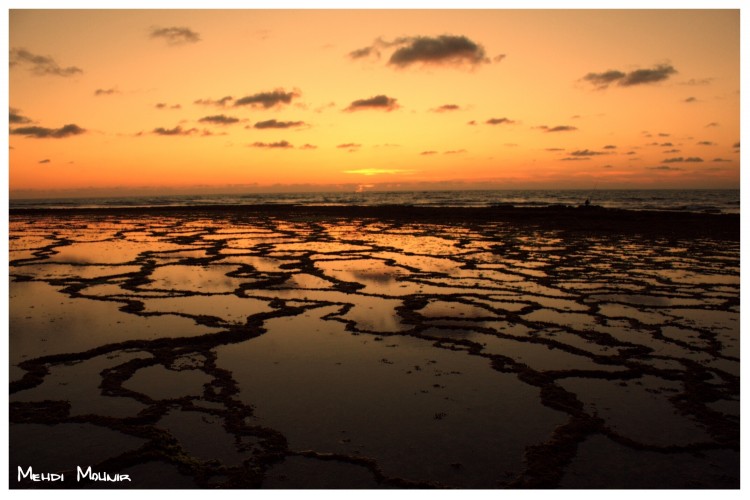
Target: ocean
column 707, row 201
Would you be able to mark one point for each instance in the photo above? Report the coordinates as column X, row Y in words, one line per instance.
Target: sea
column 697, row 200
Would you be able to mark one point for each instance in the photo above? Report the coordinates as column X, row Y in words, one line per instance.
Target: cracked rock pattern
column 349, row 352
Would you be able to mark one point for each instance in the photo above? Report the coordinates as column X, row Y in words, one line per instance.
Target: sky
column 106, row 102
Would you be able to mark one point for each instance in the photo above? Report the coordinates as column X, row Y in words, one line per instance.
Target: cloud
column 693, row 82
column 575, row 158
column 364, row 52
column 14, row 117
column 454, row 152
column 99, row 92
column 376, row 102
column 586, row 152
column 308, row 146
column 164, row 105
column 610, row 146
column 720, row 159
column 498, row 121
column 691, row 99
column 671, row 151
column 712, row 124
column 267, row 99
column 498, row 58
column 219, row 119
column 637, row 77
column 472, row 122
column 558, row 128
column 706, row 143
column 603, row 80
column 47, row 160
column 680, row 159
column 40, row 65
column 174, row 131
column 554, row 149
column 272, row 145
column 441, row 50
column 664, row 167
column 350, row 146
column 277, row 124
column 210, row 102
column 447, row 107
column 176, row 35
column 426, row 153
column 49, row 133
column 736, row 145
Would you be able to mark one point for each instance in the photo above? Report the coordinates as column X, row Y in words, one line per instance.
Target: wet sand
column 375, row 347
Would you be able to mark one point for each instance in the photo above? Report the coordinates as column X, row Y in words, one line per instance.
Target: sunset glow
column 108, row 101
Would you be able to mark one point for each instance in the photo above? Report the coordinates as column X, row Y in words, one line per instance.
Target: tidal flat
column 240, row 349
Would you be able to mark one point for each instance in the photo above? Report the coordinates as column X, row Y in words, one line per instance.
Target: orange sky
column 110, row 99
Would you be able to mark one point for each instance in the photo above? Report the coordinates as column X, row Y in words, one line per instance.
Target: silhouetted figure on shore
column 587, row 203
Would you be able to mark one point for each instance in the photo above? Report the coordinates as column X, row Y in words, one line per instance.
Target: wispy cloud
column 15, row 118
column 586, row 152
column 381, row 102
column 164, row 105
column 664, row 167
column 558, row 128
column 223, row 102
column 46, row 160
column 706, row 143
column 40, row 65
column 680, row 159
column 267, row 99
column 637, row 77
column 101, row 92
column 69, row 130
column 498, row 121
column 446, row 107
column 272, row 145
column 219, row 119
column 178, row 130
column 277, row 124
column 176, row 35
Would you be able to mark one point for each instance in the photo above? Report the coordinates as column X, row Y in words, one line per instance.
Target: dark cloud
column 693, row 82
column 666, row 145
column 176, row 35
column 498, row 121
column 447, row 107
column 575, row 158
column 712, row 124
column 554, row 149
column 219, row 119
column 426, row 153
column 603, row 80
column 736, row 145
column 15, row 118
column 40, row 65
column 671, row 151
column 662, row 134
column 664, row 167
column 272, row 145
column 586, row 152
column 610, row 146
column 680, row 159
column 99, row 92
column 277, row 124
column 558, row 128
column 454, row 152
column 267, row 99
column 720, row 159
column 47, row 160
column 472, row 122
column 377, row 102
column 349, row 145
column 174, row 131
column 636, row 77
column 49, row 133
column 308, row 146
column 691, row 99
column 210, row 102
column 444, row 49
column 498, row 58
column 706, row 143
